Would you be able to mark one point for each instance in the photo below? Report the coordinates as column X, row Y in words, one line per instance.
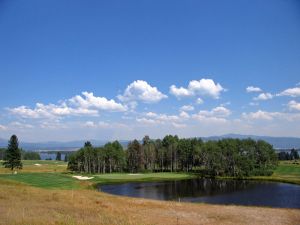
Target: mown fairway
column 287, row 171
column 123, row 177
column 53, row 174
column 44, row 180
column 288, row 168
column 38, row 166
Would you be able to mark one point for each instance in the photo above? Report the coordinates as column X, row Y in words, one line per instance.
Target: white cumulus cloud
column 147, row 121
column 88, row 105
column 292, row 92
column 293, row 105
column 219, row 111
column 100, row 124
column 91, row 101
column 203, row 87
column 253, row 89
column 187, row 108
column 263, row 97
column 216, row 115
column 140, row 90
column 260, row 115
column 180, row 92
column 184, row 115
column 50, row 111
column 154, row 118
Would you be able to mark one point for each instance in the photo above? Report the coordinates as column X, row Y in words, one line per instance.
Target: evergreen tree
column 13, row 154
column 2, row 153
column 66, row 158
column 58, row 156
column 294, row 154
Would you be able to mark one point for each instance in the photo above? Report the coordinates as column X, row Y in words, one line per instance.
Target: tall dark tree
column 170, row 143
column 2, row 153
column 58, row 156
column 13, row 154
column 149, row 153
column 294, row 154
column 87, row 144
column 135, row 158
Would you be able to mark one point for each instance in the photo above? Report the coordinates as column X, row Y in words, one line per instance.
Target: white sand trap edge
column 134, row 174
column 37, row 164
column 82, row 178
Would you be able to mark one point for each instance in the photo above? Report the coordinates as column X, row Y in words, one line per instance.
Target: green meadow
column 57, row 176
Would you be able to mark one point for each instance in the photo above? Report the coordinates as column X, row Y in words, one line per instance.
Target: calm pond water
column 238, row 192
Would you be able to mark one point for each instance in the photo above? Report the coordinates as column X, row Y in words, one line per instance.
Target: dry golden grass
column 21, row 204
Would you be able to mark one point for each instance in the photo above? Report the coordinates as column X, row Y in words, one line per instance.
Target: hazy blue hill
column 277, row 142
column 3, row 142
column 57, row 145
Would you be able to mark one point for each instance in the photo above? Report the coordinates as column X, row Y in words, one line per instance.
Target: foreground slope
column 42, row 194
column 23, row 204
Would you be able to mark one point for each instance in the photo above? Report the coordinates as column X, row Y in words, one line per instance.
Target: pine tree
column 58, row 156
column 13, row 154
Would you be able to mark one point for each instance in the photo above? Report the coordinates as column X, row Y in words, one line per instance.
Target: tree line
column 292, row 155
column 226, row 157
column 25, row 155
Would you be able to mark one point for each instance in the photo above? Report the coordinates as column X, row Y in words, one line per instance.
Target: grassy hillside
column 287, row 172
column 23, row 204
column 41, row 194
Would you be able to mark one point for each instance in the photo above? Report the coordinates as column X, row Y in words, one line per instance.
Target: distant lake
column 237, row 192
column 52, row 156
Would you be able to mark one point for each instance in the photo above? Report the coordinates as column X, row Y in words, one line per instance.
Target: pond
column 237, row 192
column 51, row 155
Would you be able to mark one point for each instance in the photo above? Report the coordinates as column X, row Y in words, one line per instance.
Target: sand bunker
column 134, row 174
column 37, row 164
column 83, row 178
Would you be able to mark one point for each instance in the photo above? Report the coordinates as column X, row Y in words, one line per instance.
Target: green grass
column 50, row 175
column 66, row 181
column 288, row 168
column 42, row 162
column 124, row 177
column 38, row 166
column 44, row 180
column 286, row 172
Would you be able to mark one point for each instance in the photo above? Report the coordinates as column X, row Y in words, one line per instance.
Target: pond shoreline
column 259, row 193
column 193, row 176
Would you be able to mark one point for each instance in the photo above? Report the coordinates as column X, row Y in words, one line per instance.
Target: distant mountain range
column 57, row 145
column 277, row 142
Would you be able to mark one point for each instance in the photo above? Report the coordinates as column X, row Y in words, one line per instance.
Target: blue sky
column 122, row 69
